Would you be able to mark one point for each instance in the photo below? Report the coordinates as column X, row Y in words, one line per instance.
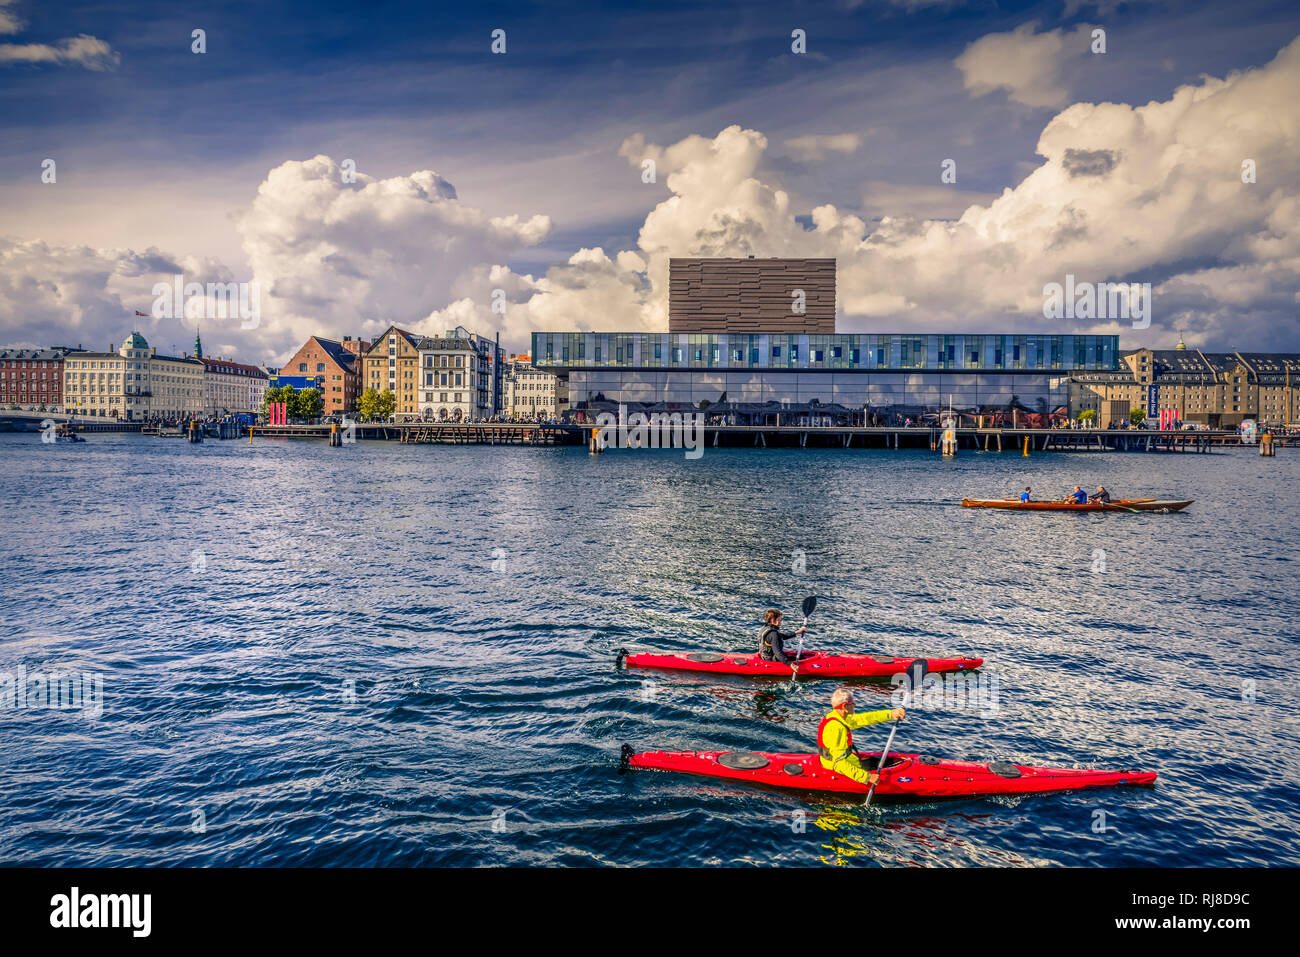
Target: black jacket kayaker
column 771, row 638
column 1102, row 495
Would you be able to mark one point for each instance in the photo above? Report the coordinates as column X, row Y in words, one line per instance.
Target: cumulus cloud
column 1025, row 63
column 354, row 257
column 1149, row 193
column 82, row 50
column 1134, row 194
column 65, row 295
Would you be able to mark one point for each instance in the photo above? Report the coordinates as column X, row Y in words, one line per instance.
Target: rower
column 1024, row 496
column 771, row 639
column 1078, row 496
column 1102, row 495
column 835, row 736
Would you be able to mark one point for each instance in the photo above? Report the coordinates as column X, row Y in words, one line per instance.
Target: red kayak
column 906, row 776
column 813, row 665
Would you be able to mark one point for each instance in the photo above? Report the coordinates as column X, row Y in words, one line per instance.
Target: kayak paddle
column 807, row 607
column 916, row 673
column 880, row 765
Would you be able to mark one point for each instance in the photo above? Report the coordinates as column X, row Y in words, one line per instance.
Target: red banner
column 277, row 413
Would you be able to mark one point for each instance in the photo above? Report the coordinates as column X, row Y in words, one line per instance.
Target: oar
column 916, row 673
column 807, row 607
column 880, row 765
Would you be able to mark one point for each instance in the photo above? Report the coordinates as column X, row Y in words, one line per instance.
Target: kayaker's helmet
column 841, row 696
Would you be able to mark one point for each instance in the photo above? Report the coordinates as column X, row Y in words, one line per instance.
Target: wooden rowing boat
column 1117, row 505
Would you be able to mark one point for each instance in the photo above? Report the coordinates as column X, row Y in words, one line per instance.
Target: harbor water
column 394, row 655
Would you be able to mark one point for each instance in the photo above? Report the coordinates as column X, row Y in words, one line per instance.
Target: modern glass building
column 899, row 372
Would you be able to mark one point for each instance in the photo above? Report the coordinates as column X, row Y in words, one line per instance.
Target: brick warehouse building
column 33, row 377
column 337, row 365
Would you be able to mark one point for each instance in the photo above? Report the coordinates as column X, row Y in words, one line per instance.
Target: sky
column 512, row 191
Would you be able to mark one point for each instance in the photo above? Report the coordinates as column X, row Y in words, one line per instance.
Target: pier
column 1017, row 441
column 794, row 436
column 438, row 433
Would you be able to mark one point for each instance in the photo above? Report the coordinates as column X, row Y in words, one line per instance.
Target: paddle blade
column 808, row 605
column 916, row 673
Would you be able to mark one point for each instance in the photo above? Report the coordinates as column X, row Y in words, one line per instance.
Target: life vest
column 821, row 745
column 765, row 649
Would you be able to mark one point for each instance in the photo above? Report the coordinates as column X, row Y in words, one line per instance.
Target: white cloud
column 1024, row 63
column 9, row 21
column 82, row 50
column 1148, row 193
column 336, row 257
column 65, row 295
column 1135, row 194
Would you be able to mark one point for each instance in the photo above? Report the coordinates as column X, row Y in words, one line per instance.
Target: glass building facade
column 877, row 371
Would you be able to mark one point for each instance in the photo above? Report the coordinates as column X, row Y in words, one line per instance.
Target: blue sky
column 166, row 149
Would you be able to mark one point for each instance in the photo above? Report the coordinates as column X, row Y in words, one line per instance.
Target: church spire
column 198, row 345
column 1182, row 346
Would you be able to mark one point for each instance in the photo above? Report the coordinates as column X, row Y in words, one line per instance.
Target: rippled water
column 392, row 655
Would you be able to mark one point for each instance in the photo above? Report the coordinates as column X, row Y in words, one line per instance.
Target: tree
column 387, row 403
column 1137, row 415
column 286, row 394
column 1087, row 415
column 368, row 405
column 307, row 404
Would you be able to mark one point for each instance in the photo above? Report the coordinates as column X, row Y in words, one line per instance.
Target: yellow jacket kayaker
column 835, row 736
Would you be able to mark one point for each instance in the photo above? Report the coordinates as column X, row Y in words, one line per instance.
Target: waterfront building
column 133, row 383
column 1216, row 389
column 737, row 343
column 889, row 376
column 391, row 364
column 230, row 386
column 335, row 368
column 730, row 296
column 458, row 376
column 531, row 393
column 32, row 379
